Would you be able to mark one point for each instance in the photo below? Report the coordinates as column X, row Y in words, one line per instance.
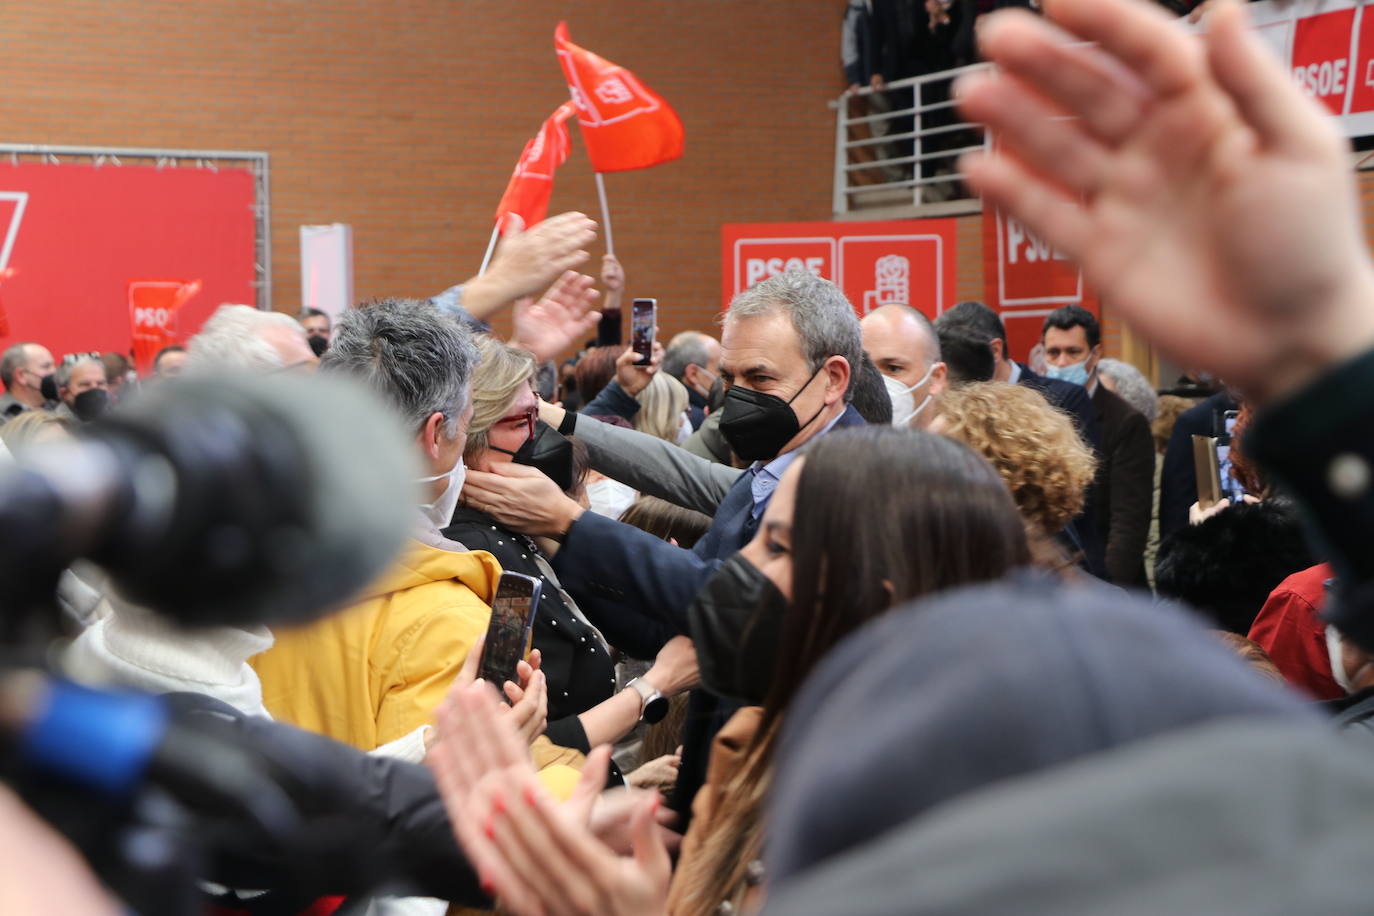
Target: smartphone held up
column 508, row 633
column 643, row 326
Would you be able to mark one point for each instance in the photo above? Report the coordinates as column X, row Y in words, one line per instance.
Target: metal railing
column 905, row 137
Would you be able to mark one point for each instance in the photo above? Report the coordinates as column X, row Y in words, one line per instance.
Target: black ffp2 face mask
column 736, row 624
column 758, row 425
column 548, row 452
column 318, row 345
column 48, row 387
column 90, row 404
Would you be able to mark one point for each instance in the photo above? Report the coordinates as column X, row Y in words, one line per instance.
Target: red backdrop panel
column 77, row 235
column 909, row 261
column 1024, row 279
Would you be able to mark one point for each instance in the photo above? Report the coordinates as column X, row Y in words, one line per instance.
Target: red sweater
column 1289, row 627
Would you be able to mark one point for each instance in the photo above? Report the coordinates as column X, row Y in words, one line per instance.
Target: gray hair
column 16, row 357
column 419, row 358
column 823, row 317
column 686, row 349
column 230, row 341
column 63, row 376
column 1131, row 386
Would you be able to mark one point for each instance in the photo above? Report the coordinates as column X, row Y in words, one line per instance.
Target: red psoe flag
column 625, row 124
column 531, row 184
column 153, row 307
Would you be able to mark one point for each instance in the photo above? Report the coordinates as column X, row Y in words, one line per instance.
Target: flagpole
column 605, row 213
column 491, row 246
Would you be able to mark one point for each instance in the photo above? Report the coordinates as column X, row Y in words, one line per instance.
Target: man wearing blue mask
column 1125, row 473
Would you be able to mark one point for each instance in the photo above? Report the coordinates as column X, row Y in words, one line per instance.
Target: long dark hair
column 883, row 515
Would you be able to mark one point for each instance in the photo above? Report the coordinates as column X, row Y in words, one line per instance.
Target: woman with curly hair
column 1037, row 452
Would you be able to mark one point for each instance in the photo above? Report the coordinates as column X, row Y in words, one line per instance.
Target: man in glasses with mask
column 903, row 345
column 84, row 388
column 789, row 348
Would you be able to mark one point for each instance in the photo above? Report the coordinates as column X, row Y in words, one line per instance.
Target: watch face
column 655, row 710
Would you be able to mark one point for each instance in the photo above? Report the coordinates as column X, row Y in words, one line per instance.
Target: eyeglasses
column 526, row 417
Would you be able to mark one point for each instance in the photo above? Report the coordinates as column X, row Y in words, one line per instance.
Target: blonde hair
column 502, row 373
column 1033, row 446
column 21, row 432
column 1171, row 407
column 661, row 405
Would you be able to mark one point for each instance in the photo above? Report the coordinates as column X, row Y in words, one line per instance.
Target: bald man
column 902, row 344
column 693, row 358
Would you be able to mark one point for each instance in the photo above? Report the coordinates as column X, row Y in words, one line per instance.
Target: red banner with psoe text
column 912, row 262
column 153, row 309
column 1024, row 279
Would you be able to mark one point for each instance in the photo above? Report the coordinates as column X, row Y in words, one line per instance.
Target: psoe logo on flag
column 612, row 99
column 613, row 91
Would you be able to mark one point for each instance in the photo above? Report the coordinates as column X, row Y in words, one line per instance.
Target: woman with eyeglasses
column 585, row 708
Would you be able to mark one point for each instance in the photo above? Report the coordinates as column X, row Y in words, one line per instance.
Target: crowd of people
column 835, row 614
column 892, row 41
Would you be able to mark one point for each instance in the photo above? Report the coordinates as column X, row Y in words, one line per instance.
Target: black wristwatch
column 653, row 706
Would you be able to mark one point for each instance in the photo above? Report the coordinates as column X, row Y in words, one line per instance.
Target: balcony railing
column 899, row 146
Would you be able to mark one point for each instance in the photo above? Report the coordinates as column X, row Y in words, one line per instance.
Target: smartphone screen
column 1230, row 488
column 643, row 319
column 508, row 633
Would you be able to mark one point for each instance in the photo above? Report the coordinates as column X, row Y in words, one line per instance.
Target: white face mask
column 1333, row 650
column 610, row 497
column 440, row 512
column 904, row 407
column 684, row 428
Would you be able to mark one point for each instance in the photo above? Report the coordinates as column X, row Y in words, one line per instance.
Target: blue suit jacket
column 1074, row 400
column 1070, row 398
column 617, row 573
column 636, row 589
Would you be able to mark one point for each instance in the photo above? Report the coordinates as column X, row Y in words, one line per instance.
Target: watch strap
column 569, row 424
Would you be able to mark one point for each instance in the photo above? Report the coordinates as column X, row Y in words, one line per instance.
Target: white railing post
column 917, row 188
column 840, row 201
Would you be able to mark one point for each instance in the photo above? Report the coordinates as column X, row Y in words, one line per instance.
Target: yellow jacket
column 376, row 671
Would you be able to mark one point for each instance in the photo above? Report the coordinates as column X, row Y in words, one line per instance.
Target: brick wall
column 404, row 117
